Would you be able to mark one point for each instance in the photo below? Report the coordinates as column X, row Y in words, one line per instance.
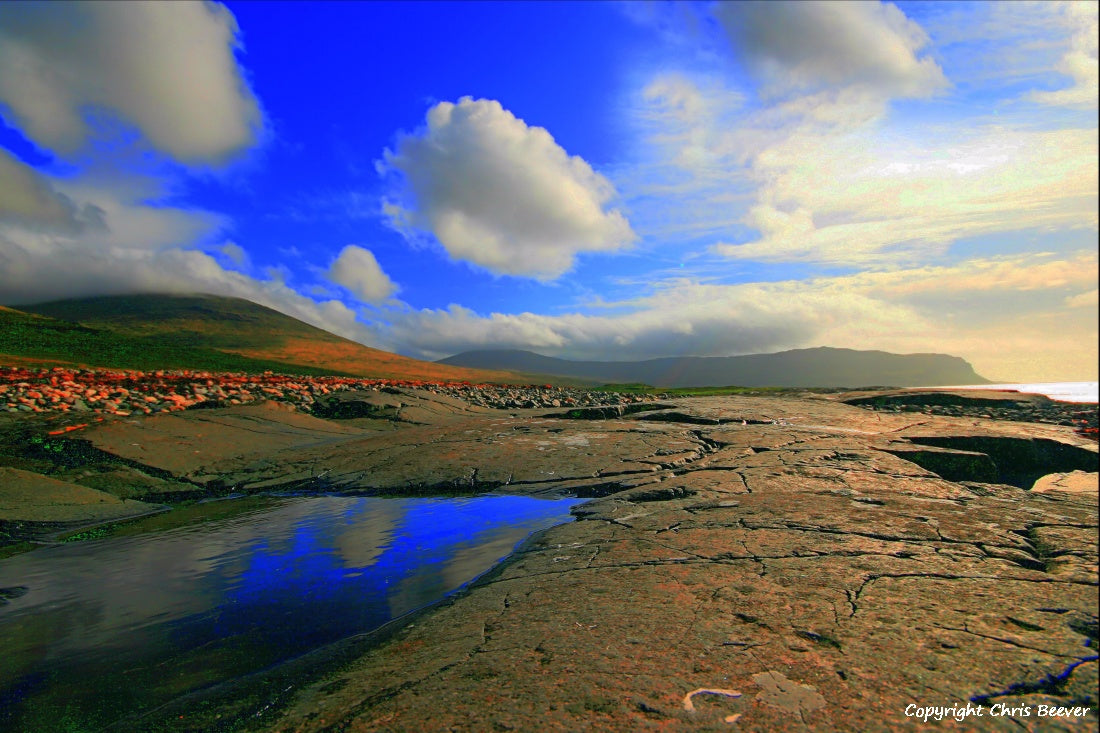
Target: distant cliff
column 817, row 367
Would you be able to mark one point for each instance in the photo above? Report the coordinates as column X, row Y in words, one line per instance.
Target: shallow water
column 112, row 627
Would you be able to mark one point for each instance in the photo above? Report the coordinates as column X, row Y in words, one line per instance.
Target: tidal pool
column 106, row 629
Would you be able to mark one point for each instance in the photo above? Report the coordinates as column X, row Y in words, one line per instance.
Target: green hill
column 40, row 340
column 199, row 332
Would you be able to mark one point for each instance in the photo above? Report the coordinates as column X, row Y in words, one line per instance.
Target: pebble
column 123, row 393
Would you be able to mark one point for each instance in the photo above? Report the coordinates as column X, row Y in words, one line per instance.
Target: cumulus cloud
column 358, row 271
column 805, row 45
column 166, row 68
column 501, row 194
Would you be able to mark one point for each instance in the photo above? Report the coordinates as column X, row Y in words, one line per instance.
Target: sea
column 1061, row 391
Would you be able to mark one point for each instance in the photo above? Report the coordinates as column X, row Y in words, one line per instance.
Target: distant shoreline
column 1083, row 392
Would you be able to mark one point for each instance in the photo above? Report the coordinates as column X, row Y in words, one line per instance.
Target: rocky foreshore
column 760, row 563
column 1082, row 417
column 125, row 393
column 749, row 563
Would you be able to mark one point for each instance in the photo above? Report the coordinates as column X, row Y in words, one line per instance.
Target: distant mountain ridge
column 816, row 367
column 155, row 331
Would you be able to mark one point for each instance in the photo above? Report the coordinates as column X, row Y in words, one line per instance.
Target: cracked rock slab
column 782, row 547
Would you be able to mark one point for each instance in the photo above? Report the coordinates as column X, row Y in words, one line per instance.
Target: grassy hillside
column 200, row 332
column 196, row 320
column 34, row 340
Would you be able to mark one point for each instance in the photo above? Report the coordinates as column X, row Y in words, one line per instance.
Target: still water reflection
column 108, row 628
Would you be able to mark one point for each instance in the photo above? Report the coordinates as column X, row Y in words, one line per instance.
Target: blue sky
column 585, row 180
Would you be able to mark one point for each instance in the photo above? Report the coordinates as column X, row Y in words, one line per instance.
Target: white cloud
column 681, row 98
column 1008, row 276
column 691, row 121
column 38, row 268
column 28, row 198
column 167, row 68
column 687, row 176
column 124, row 252
column 235, row 253
column 682, row 318
column 128, row 219
column 358, row 271
column 806, row 45
column 1079, row 62
column 870, row 198
column 70, row 72
column 824, row 171
column 827, row 178
column 501, row 194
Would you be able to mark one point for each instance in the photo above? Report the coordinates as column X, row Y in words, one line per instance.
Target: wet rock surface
column 750, row 563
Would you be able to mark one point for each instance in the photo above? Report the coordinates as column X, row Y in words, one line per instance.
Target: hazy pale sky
column 585, row 180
